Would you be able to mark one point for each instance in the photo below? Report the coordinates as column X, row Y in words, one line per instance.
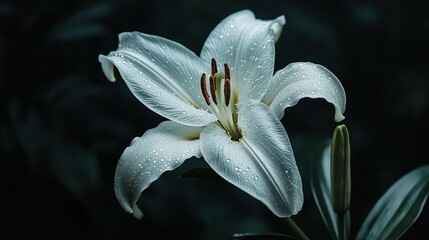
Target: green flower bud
column 340, row 169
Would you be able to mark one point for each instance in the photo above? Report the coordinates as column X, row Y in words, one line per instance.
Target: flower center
column 224, row 99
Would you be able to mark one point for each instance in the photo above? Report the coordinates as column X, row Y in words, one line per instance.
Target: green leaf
column 206, row 173
column 321, row 189
column 398, row 208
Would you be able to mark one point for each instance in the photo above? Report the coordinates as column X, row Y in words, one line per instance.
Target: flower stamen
column 213, row 88
column 221, row 92
column 204, row 89
column 227, row 85
column 214, row 66
column 227, row 91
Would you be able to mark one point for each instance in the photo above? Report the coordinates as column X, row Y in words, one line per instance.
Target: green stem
column 295, row 228
column 342, row 235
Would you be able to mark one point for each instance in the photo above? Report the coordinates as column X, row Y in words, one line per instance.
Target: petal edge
column 304, row 79
column 160, row 149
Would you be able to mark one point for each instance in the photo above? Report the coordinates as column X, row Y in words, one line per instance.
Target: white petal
column 300, row 80
column 261, row 163
column 247, row 45
column 161, row 149
column 162, row 74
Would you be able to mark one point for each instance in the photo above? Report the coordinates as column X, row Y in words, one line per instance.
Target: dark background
column 63, row 126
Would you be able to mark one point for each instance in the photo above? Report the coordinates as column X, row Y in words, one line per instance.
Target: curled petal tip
column 339, row 116
column 277, row 26
column 107, row 67
column 137, row 212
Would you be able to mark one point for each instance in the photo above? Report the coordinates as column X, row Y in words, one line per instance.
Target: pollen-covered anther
column 204, row 89
column 213, row 88
column 227, row 91
column 214, row 66
column 227, row 86
column 227, row 72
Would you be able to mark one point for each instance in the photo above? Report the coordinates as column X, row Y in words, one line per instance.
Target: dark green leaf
column 398, row 208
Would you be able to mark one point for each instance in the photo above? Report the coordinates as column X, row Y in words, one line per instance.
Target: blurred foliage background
column 63, row 126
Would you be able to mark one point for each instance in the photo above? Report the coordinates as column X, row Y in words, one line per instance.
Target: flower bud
column 340, row 169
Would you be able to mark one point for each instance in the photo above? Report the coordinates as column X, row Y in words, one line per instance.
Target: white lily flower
column 229, row 113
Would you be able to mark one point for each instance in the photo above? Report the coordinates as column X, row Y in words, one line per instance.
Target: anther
column 227, row 73
column 227, row 91
column 204, row 89
column 214, row 67
column 227, row 86
column 213, row 88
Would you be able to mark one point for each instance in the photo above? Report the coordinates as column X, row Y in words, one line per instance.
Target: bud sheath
column 340, row 170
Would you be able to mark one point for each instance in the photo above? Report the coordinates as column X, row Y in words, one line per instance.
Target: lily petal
column 162, row 74
column 247, row 45
column 160, row 149
column 261, row 163
column 304, row 79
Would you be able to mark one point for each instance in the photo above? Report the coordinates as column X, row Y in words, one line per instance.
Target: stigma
column 223, row 98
